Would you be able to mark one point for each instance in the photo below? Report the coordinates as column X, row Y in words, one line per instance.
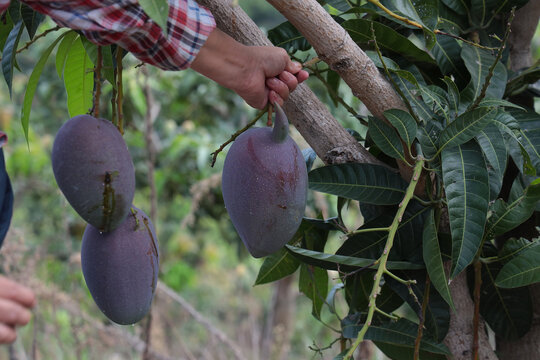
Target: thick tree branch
column 523, row 29
column 307, row 113
column 335, row 47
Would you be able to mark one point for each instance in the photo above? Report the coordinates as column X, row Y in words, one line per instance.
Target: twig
column 381, row 270
column 269, row 118
column 476, row 318
column 97, row 80
column 220, row 335
column 425, row 302
column 39, row 36
column 235, row 135
column 492, row 67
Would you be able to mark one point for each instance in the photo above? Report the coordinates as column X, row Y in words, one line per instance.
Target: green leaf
column 478, row 62
column 107, row 70
column 374, row 184
column 433, row 260
column 505, row 216
column 521, row 82
column 409, row 85
column 341, row 5
column 78, row 79
column 447, row 53
column 9, row 52
column 522, row 270
column 435, row 98
column 358, row 288
column 277, row 266
column 529, row 134
column 61, row 53
column 331, row 261
column 157, row 10
column 313, row 282
column 402, row 332
column 428, row 137
column 507, row 311
column 387, row 38
column 465, row 127
column 467, row 190
column 5, row 28
column 456, row 5
column 31, row 19
column 288, row 37
column 394, row 351
column 386, row 138
column 32, row 84
column 437, row 315
column 424, row 12
column 489, row 139
column 404, row 124
column 513, row 247
column 453, row 95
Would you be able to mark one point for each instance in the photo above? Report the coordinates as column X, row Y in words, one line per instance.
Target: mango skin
column 264, row 186
column 94, row 170
column 121, row 267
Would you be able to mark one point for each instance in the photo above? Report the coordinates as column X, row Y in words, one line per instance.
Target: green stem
column 360, row 231
column 381, row 270
column 392, row 317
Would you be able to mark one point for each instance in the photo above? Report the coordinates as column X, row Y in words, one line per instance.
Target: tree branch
column 523, row 28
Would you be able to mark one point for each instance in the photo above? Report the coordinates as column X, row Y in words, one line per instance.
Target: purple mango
column 121, row 267
column 94, row 170
column 264, row 186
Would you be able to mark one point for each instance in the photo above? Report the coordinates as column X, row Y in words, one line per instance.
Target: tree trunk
column 318, row 127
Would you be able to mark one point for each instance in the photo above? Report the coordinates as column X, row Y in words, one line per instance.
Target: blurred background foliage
column 202, row 257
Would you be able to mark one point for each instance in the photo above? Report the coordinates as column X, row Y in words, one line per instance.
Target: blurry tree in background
column 465, row 106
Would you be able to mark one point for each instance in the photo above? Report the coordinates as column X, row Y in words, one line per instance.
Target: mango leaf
column 404, row 123
column 488, row 102
column 522, row 270
column 521, row 82
column 78, row 79
column 505, row 216
column 447, row 53
column 513, row 247
column 32, row 84
column 478, row 62
column 425, row 12
column 389, row 63
column 333, row 80
column 341, row 5
column 465, row 178
column 465, row 127
column 386, row 138
column 387, row 38
column 62, row 51
column 529, row 134
column 402, row 332
column 456, row 5
column 374, row 184
column 331, row 261
column 313, row 283
column 435, row 98
column 428, row 137
column 288, row 37
column 508, row 312
column 107, row 69
column 31, row 19
column 437, row 316
column 409, row 86
column 407, row 242
column 433, row 259
column 453, row 95
column 5, row 28
column 157, row 10
column 277, row 266
column 9, row 52
column 358, row 288
column 489, row 139
column 394, row 351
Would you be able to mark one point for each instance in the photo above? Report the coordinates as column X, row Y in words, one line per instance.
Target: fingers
column 285, row 83
column 17, row 293
column 11, row 313
column 7, row 334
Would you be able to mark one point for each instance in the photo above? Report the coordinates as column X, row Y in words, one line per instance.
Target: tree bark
column 335, row 47
column 331, row 142
column 523, row 29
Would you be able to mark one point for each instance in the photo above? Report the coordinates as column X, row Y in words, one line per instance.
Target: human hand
column 257, row 73
column 15, row 302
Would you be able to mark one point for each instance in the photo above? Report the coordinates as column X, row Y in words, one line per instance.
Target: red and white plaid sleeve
column 123, row 22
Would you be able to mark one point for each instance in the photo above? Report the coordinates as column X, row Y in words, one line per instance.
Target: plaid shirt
column 123, row 22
